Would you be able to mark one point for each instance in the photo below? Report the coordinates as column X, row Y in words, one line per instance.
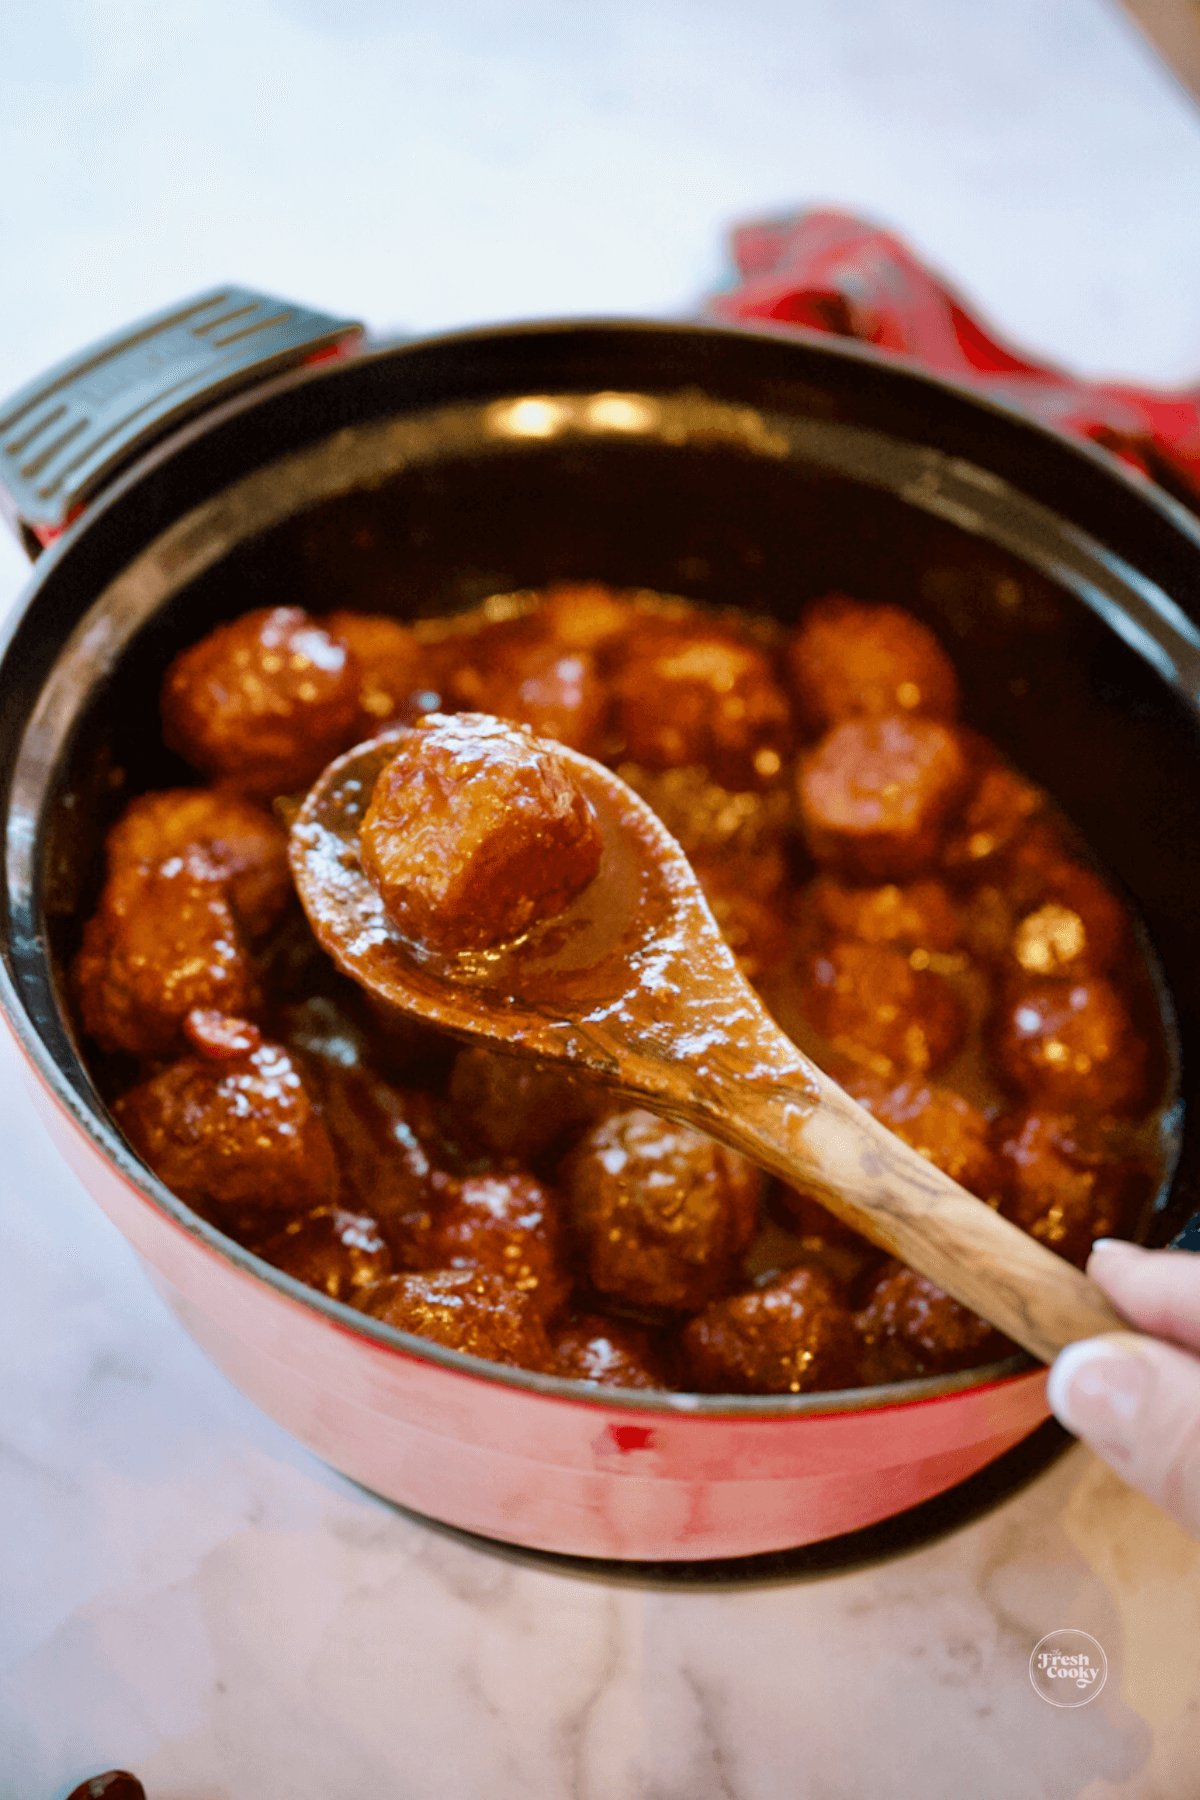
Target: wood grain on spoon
column 634, row 984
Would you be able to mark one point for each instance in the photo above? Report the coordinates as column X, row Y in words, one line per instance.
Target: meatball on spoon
column 504, row 887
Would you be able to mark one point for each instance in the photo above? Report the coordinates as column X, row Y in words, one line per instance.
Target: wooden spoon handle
column 835, row 1151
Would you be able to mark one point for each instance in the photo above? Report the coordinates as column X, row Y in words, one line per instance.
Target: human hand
column 1136, row 1400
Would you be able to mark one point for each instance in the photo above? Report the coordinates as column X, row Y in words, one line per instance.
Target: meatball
column 711, row 822
column 322, row 1029
column 1051, row 940
column 688, row 693
column 790, row 1336
column 192, row 875
column 342, row 1254
column 1065, row 1187
column 395, row 670
column 1046, row 917
column 358, row 1030
column 874, row 1008
column 1030, row 861
column 848, row 659
column 262, row 704
column 468, row 1310
column 909, row 1328
column 238, row 844
column 875, row 795
column 586, row 616
column 506, row 1224
column 161, row 943
column 220, row 1037
column 989, row 921
column 822, row 1232
column 661, row 1213
column 476, row 831
column 512, row 670
column 242, row 1136
column 996, row 814
column 1043, row 885
column 387, row 1151
column 1069, row 922
column 944, row 1128
column 1071, row 1046
column 518, row 1107
column 610, row 1351
column 920, row 916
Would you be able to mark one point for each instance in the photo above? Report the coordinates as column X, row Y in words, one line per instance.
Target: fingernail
column 1108, row 1245
column 1097, row 1390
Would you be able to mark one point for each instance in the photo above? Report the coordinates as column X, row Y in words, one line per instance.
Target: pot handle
column 65, row 435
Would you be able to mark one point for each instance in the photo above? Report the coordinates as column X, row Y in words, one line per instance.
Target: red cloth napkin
column 829, row 271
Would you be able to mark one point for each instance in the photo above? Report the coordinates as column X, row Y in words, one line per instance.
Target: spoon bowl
column 634, row 986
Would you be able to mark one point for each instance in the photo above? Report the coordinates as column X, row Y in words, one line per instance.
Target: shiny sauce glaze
column 914, row 913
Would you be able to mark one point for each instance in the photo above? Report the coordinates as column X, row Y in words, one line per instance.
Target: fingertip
column 1112, row 1261
column 1136, row 1402
column 1157, row 1291
column 1066, row 1366
column 1096, row 1387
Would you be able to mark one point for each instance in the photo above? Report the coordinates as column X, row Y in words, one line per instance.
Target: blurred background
column 426, row 165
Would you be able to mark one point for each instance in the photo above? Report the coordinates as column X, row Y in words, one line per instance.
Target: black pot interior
column 1084, row 711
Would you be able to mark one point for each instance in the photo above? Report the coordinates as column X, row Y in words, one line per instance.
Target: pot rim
column 892, row 363
column 94, row 1122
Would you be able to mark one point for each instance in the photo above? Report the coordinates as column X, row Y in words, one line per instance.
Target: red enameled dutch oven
column 201, row 464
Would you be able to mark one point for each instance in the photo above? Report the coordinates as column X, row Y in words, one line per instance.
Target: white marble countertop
column 183, row 1591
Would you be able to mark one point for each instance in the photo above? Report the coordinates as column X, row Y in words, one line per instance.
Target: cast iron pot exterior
column 729, row 466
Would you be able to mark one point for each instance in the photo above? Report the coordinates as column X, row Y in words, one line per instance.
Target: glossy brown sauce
column 912, row 919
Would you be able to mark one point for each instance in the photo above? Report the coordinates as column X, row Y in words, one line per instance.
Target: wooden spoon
column 634, row 986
